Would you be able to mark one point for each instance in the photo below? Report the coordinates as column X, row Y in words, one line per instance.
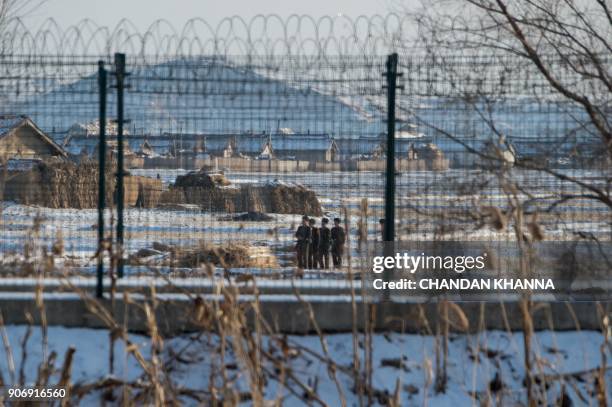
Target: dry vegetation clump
column 242, row 356
column 203, row 179
column 248, row 217
column 58, row 185
column 240, row 344
column 213, row 192
column 231, row 255
column 62, row 184
column 290, row 198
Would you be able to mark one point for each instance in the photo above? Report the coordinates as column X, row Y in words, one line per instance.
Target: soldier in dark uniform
column 313, row 252
column 338, row 238
column 324, row 243
column 303, row 237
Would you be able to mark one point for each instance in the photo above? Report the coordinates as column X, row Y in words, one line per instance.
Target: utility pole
column 120, row 75
column 101, row 177
column 389, row 224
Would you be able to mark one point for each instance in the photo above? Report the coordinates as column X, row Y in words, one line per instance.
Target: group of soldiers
column 315, row 244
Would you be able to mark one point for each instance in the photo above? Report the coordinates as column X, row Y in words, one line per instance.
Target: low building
column 215, row 145
column 92, row 129
column 146, row 150
column 255, row 146
column 130, row 158
column 21, row 139
column 306, row 148
column 83, row 139
column 283, row 145
column 220, row 148
column 300, row 147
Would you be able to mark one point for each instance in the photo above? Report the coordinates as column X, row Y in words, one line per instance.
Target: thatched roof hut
column 20, row 138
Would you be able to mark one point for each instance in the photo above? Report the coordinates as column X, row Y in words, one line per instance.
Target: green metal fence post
column 389, row 224
column 120, row 78
column 101, row 177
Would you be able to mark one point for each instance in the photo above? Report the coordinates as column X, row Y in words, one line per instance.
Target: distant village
column 22, row 143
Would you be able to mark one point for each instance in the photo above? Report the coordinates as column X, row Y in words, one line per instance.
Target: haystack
column 142, row 192
column 213, row 192
column 202, row 179
column 57, row 185
column 291, row 198
column 68, row 185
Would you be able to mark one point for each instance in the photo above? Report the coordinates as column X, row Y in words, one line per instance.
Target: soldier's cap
column 312, row 221
column 337, row 220
column 324, row 220
column 305, row 217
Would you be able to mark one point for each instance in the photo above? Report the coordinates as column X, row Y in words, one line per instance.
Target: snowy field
column 565, row 359
column 422, row 192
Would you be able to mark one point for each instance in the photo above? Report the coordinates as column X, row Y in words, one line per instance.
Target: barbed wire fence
column 234, row 132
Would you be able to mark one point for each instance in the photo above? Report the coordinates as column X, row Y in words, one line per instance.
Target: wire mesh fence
column 225, row 155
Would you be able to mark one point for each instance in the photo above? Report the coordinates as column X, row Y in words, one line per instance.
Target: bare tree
column 14, row 9
column 564, row 40
column 10, row 9
column 560, row 49
column 483, row 53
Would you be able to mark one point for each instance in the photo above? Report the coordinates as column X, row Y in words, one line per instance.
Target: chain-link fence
column 225, row 154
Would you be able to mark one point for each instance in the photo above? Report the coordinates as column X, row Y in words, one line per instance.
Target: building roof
column 368, row 145
column 303, row 143
column 85, row 134
column 254, row 144
column 217, row 143
column 92, row 129
column 250, row 143
column 10, row 123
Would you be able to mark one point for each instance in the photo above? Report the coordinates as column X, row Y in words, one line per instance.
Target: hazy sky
column 143, row 12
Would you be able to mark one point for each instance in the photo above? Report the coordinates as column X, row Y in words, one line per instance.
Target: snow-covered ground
column 417, row 191
column 565, row 358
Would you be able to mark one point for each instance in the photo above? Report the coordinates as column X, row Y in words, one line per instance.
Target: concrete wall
column 326, row 166
column 250, row 165
column 411, row 165
column 402, row 164
column 370, row 165
column 177, row 162
column 176, row 313
column 244, row 164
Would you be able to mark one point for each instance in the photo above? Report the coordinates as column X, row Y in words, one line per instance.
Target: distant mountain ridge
column 199, row 95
